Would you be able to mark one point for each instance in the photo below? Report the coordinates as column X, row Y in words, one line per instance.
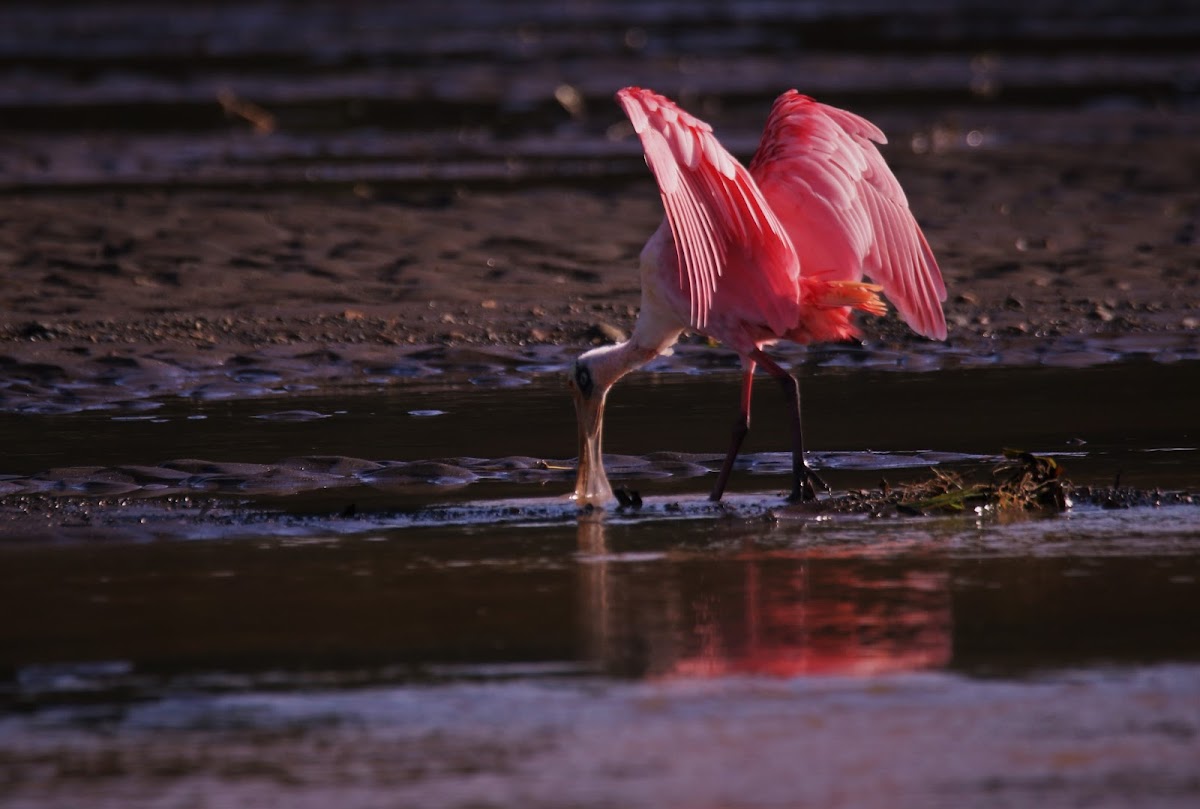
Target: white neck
column 652, row 335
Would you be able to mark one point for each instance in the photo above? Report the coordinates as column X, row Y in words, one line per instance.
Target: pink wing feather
column 841, row 205
column 726, row 236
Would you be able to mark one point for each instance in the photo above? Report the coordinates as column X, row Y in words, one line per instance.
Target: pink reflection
column 775, row 614
column 824, row 619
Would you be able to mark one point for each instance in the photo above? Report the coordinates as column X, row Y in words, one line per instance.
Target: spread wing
column 732, row 250
column 843, row 208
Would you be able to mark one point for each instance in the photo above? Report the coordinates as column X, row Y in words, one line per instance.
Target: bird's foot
column 628, row 498
column 804, row 490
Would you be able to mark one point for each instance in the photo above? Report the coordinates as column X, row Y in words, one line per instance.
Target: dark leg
column 740, row 428
column 803, row 478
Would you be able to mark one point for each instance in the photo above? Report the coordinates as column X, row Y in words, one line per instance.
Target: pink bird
column 749, row 257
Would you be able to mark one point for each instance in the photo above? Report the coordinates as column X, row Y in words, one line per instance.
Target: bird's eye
column 583, row 380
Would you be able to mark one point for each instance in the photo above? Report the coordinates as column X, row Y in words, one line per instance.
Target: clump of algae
column 1023, row 482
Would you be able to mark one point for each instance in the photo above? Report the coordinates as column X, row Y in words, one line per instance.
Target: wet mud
column 433, row 183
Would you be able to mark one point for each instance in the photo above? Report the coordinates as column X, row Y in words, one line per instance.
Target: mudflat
column 180, row 188
column 1039, row 245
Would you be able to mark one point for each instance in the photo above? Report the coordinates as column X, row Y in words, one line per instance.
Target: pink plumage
column 817, row 202
column 820, row 172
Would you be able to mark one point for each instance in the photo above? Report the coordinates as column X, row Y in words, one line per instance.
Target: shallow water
column 651, row 662
column 628, row 596
column 863, row 421
column 450, row 642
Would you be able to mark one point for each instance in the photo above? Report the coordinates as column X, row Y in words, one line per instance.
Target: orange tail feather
column 856, row 294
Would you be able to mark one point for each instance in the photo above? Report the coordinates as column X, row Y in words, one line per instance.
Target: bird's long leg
column 803, row 477
column 740, row 428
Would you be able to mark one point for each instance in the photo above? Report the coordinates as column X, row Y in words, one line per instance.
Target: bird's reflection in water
column 758, row 610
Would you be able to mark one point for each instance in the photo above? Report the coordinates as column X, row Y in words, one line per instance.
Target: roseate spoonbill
column 753, row 256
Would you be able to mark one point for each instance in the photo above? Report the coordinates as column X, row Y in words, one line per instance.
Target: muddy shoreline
column 1043, row 249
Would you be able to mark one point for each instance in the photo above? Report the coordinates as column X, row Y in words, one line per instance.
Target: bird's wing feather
column 729, row 244
column 844, row 210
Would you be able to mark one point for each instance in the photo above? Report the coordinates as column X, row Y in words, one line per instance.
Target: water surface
column 455, row 644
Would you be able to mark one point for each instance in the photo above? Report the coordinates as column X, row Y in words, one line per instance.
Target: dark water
column 1131, row 418
column 487, row 645
column 645, row 663
column 646, row 598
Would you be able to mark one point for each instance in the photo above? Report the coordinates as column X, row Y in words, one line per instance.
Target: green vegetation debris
column 1023, row 482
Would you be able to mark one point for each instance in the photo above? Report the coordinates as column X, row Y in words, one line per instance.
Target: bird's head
column 590, row 379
